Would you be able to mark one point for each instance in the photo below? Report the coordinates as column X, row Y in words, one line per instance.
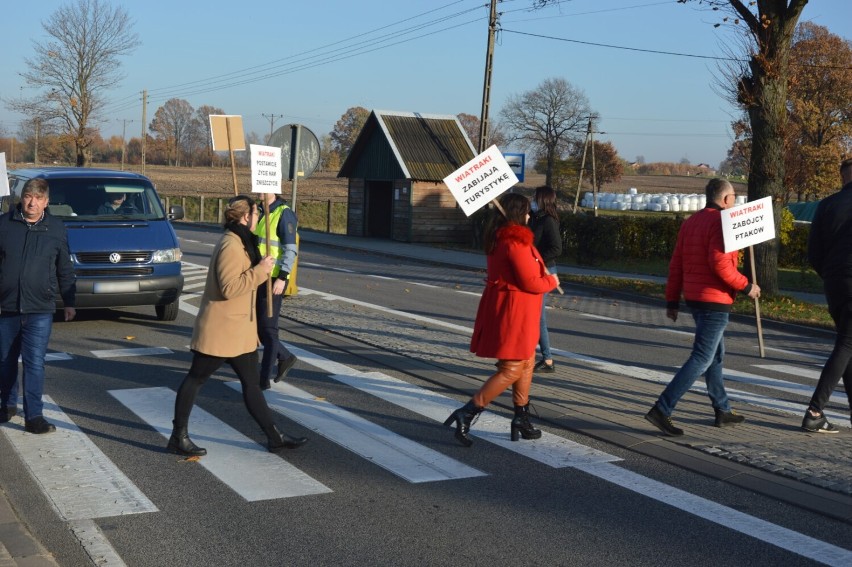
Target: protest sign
column 748, row 224
column 4, row 176
column 265, row 169
column 481, row 180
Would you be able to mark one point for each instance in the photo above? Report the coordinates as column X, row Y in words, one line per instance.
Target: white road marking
column 121, row 352
column 819, row 357
column 724, row 516
column 78, row 479
column 409, row 460
column 779, row 385
column 794, row 370
column 95, row 544
column 552, row 450
column 243, row 465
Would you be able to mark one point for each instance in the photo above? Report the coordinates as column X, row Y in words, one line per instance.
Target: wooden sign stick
column 503, row 212
column 269, row 277
column 756, row 303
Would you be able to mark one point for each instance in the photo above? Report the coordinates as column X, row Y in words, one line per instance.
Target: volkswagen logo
column 115, row 258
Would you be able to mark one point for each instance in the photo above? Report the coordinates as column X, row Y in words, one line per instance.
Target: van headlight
column 166, row 256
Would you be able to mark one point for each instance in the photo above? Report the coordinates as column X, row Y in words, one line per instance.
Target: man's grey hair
column 36, row 186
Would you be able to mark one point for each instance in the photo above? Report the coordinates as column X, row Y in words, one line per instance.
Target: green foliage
column 595, row 240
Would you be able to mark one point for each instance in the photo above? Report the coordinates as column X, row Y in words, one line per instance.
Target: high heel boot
column 521, row 426
column 463, row 418
column 278, row 441
column 181, row 444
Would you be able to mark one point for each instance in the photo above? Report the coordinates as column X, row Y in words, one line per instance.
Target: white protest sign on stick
column 4, row 176
column 479, row 181
column 265, row 169
column 266, row 178
column 744, row 226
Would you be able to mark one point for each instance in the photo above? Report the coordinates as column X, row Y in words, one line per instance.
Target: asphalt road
column 381, row 481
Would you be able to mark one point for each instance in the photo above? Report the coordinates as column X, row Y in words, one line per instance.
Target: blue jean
column 23, row 335
column 708, row 352
column 544, row 336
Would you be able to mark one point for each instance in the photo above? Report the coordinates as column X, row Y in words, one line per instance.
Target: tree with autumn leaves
column 819, row 128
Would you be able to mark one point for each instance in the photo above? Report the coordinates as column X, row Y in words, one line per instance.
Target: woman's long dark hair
column 516, row 206
column 545, row 198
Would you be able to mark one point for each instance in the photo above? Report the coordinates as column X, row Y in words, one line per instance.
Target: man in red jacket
column 709, row 280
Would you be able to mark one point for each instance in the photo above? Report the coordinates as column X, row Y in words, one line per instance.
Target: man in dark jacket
column 35, row 265
column 708, row 278
column 830, row 254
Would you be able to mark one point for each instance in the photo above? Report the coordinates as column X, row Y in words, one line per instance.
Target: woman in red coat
column 507, row 321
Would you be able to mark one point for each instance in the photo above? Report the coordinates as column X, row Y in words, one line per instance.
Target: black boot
column 521, row 426
column 278, row 441
column 463, row 418
column 181, row 444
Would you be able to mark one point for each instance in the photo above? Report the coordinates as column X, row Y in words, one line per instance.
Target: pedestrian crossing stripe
column 239, row 462
column 75, row 475
column 124, row 352
column 409, row 460
column 552, row 450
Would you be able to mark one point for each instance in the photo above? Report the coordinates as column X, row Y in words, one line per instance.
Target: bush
column 594, row 240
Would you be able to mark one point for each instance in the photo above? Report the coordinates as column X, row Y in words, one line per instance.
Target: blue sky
column 311, row 60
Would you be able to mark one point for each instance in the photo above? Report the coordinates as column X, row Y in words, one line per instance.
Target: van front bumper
column 93, row 293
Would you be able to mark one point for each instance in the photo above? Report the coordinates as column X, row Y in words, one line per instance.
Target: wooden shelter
column 396, row 169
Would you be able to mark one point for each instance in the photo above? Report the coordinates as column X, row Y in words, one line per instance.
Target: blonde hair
column 237, row 208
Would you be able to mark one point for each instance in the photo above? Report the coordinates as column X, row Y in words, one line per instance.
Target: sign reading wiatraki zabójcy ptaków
column 748, row 224
column 481, row 180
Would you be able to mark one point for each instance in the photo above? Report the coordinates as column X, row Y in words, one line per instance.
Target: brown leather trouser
column 515, row 373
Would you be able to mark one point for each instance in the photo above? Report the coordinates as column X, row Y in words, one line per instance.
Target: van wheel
column 167, row 312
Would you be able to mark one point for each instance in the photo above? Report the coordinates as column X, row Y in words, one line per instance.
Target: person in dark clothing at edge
column 282, row 246
column 830, row 255
column 35, row 266
column 544, row 222
column 708, row 278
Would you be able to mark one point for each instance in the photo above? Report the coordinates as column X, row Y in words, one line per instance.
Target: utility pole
column 271, row 118
column 124, row 122
column 144, row 122
column 486, row 87
column 589, row 142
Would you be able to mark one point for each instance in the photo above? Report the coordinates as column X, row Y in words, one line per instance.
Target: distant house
column 396, row 169
column 705, row 169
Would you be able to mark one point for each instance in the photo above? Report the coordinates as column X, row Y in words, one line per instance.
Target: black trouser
column 839, row 364
column 267, row 331
column 203, row 366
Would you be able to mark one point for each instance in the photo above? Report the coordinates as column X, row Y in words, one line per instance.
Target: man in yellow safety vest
column 282, row 246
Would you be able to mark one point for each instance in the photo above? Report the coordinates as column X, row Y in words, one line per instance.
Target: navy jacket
column 35, row 265
column 830, row 240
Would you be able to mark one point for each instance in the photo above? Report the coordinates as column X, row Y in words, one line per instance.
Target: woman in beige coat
column 226, row 328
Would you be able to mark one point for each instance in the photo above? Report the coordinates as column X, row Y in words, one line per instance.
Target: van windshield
column 94, row 200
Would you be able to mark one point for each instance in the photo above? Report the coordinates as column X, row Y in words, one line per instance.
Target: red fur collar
column 516, row 233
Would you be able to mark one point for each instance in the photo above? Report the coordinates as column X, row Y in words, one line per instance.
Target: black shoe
column 7, row 413
column 181, row 444
column 543, row 367
column 264, row 384
column 39, row 425
column 284, row 367
column 463, row 418
column 663, row 422
column 817, row 424
column 277, row 441
column 726, row 418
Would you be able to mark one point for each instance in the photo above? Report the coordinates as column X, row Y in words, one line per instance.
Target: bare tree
column 173, row 122
column 75, row 66
column 202, row 114
column 548, row 119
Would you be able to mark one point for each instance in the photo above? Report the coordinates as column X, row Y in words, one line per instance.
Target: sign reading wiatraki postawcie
column 748, row 224
column 480, row 180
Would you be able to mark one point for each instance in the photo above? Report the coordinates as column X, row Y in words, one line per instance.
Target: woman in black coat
column 544, row 222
